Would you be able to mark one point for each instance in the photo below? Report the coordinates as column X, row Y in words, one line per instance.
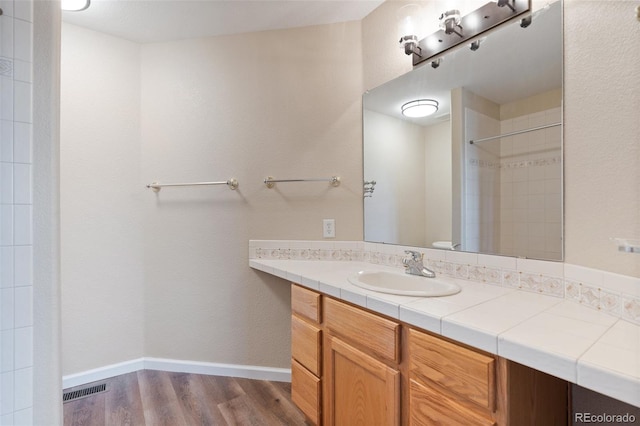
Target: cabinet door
column 360, row 390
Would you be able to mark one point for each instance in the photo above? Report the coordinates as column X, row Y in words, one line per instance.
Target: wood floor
column 155, row 398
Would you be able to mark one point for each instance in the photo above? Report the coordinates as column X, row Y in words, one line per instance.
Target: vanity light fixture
column 525, row 22
column 454, row 28
column 528, row 19
column 419, row 108
column 508, row 3
column 450, row 22
column 74, row 5
column 408, row 28
column 475, row 45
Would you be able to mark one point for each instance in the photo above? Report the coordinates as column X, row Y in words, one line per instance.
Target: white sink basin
column 403, row 284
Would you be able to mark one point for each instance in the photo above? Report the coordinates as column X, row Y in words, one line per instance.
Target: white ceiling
column 145, row 21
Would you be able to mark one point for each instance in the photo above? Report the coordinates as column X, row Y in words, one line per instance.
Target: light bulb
column 407, row 21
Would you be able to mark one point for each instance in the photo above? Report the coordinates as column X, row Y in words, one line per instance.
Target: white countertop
column 559, row 337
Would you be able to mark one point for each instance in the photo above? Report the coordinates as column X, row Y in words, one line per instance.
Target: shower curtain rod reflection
column 546, row 126
column 270, row 181
column 232, row 183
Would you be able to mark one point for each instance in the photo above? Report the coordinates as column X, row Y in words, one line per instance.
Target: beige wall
column 602, row 149
column 437, row 166
column 395, row 152
column 101, row 212
column 601, row 102
column 280, row 103
column 531, row 105
column 167, row 275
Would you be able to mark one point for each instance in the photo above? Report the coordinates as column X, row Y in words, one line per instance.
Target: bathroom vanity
column 500, row 351
column 354, row 366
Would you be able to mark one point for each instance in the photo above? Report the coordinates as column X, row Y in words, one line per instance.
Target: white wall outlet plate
column 329, row 228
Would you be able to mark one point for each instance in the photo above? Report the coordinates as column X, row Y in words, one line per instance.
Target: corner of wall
column 47, row 370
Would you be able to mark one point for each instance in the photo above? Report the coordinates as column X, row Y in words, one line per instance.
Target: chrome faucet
column 414, row 266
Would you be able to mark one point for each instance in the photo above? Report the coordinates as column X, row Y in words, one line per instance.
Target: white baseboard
column 177, row 366
column 216, row 369
column 102, row 373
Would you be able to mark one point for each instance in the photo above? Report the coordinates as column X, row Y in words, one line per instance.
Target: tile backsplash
column 614, row 294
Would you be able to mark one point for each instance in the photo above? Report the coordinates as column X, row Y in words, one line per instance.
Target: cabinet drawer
column 427, row 407
column 379, row 335
column 305, row 391
column 464, row 372
column 306, row 303
column 306, row 344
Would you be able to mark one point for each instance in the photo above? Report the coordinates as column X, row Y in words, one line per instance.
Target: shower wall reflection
column 512, row 184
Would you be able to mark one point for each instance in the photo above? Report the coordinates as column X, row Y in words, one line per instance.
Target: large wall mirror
column 484, row 172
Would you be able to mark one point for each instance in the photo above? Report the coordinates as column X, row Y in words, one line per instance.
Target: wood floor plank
column 87, row 411
column 123, row 402
column 221, row 389
column 272, row 399
column 242, row 411
column 159, row 400
column 284, row 387
column 196, row 407
column 156, row 398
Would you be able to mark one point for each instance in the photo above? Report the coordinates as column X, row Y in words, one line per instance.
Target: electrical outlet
column 329, row 228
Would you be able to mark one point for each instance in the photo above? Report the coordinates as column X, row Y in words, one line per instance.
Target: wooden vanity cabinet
column 530, row 397
column 456, row 385
column 351, row 366
column 306, row 352
column 361, row 375
column 343, row 358
column 448, row 383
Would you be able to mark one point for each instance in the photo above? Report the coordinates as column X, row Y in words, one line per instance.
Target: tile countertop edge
column 598, row 378
column 609, row 382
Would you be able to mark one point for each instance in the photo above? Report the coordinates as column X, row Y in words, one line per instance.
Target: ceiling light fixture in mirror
column 74, row 5
column 420, row 108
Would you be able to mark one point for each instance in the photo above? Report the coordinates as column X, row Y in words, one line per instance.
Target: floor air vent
column 83, row 393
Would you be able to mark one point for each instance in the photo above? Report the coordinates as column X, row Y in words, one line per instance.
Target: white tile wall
column 531, row 167
column 16, row 254
column 514, row 184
